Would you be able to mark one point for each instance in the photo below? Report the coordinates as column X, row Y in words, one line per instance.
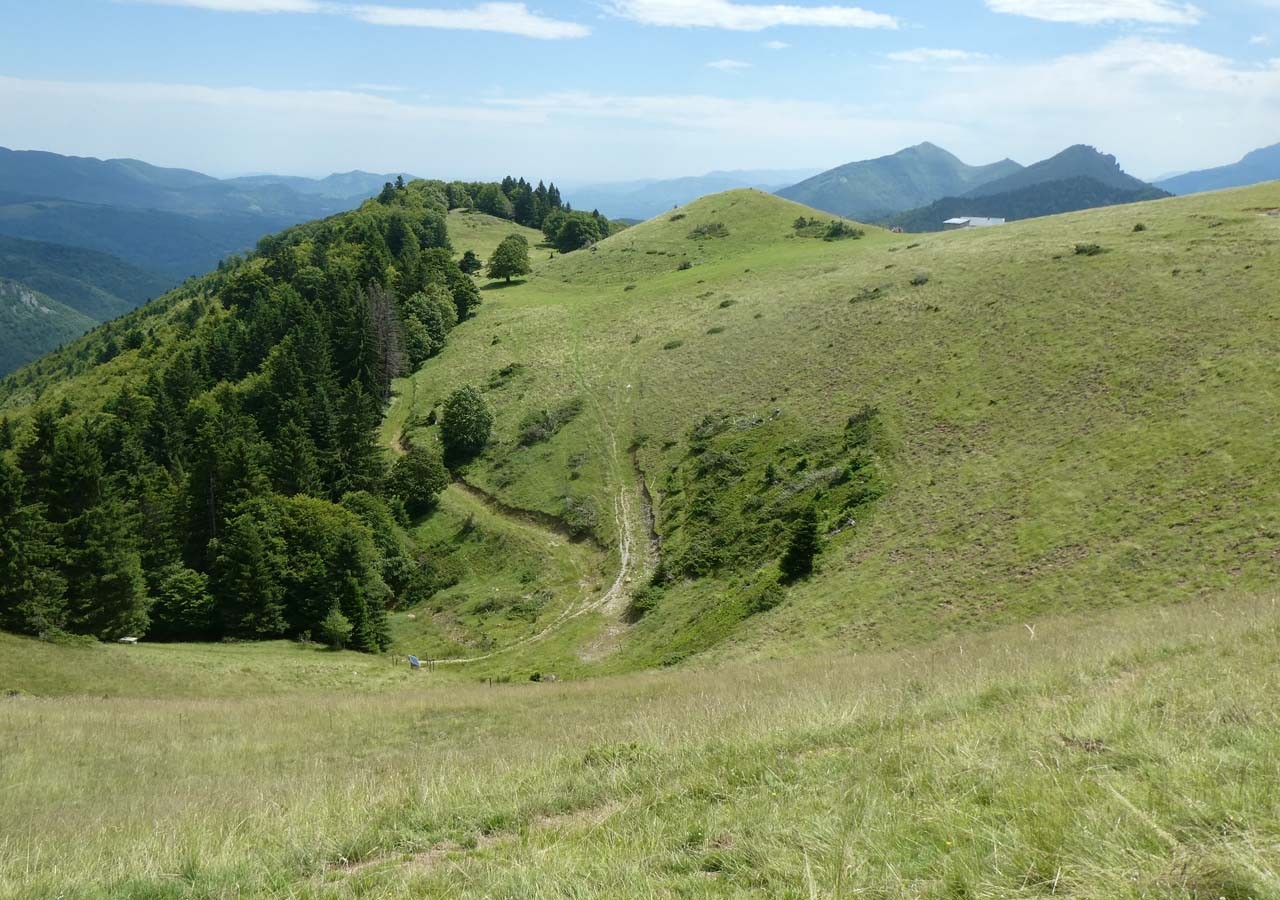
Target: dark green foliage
column 206, row 489
column 336, row 629
column 31, row 591
column 1089, row 250
column 732, row 503
column 1139, row 228
column 182, row 607
column 510, row 259
column 581, row 516
column 542, row 425
column 1041, row 199
column 709, row 230
column 569, row 231
column 470, row 264
column 920, row 279
column 803, row 547
column 466, row 424
column 832, row 230
column 417, row 478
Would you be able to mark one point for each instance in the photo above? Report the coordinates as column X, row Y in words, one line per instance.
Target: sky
column 582, row 91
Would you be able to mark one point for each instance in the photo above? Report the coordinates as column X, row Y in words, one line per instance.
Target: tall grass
column 1134, row 755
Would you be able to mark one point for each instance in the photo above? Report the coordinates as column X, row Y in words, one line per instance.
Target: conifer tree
column 32, row 594
column 246, row 588
column 797, row 561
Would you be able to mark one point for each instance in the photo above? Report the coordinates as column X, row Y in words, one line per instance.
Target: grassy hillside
column 31, row 324
column 482, row 233
column 1053, row 423
column 875, row 188
column 1127, row 756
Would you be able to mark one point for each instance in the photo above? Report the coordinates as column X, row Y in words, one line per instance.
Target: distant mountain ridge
column 177, row 221
column 1255, row 168
column 646, row 198
column 876, row 188
column 1078, row 161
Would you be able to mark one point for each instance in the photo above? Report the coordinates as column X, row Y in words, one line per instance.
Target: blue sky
column 600, row 90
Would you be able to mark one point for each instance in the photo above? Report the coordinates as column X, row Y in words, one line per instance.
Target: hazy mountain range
column 647, row 198
column 1258, row 166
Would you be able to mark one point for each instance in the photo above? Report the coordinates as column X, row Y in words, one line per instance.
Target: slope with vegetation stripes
column 1128, row 756
column 84, row 287
column 32, row 324
column 1053, row 430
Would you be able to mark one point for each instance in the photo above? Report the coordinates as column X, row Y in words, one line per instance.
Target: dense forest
column 222, row 477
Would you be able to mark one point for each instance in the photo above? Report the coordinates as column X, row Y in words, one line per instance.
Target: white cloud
column 508, row 18
column 503, row 18
column 1260, row 40
column 1157, row 105
column 746, row 16
column 934, row 55
column 248, row 6
column 1099, row 12
column 776, row 45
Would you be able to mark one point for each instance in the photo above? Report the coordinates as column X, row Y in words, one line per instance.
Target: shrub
column 417, row 478
column 466, row 424
column 840, row 230
column 672, row 345
column 336, row 629
column 920, row 280
column 763, row 596
column 581, row 516
column 541, row 425
column 725, row 304
column 684, row 266
column 1088, row 249
column 677, row 217
column 709, row 230
column 1139, row 228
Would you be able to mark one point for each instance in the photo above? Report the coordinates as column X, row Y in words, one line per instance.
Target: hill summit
column 876, row 188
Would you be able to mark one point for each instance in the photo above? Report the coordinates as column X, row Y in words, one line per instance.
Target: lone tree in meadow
column 510, row 259
column 466, row 424
column 797, row 561
column 470, row 263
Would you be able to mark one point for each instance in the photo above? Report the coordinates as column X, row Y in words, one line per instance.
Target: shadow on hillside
column 500, row 285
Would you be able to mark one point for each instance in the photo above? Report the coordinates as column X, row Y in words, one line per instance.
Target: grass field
column 1066, row 431
column 1128, row 755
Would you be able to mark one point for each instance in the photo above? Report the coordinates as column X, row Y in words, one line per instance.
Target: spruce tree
column 32, row 594
column 797, row 561
column 246, row 588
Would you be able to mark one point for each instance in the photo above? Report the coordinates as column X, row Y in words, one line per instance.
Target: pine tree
column 106, row 593
column 804, row 546
column 246, row 588
column 35, row 456
column 293, row 465
column 32, row 597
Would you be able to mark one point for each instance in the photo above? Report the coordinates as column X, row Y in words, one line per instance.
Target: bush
column 684, row 266
column 335, row 629
column 763, row 596
column 580, row 516
column 541, row 425
column 1088, row 249
column 920, row 280
column 672, row 345
column 1139, row 228
column 840, row 230
column 644, row 601
column 466, row 424
column 417, row 478
column 677, row 217
column 709, row 230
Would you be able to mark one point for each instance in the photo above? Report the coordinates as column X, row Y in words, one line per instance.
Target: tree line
column 223, row 477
